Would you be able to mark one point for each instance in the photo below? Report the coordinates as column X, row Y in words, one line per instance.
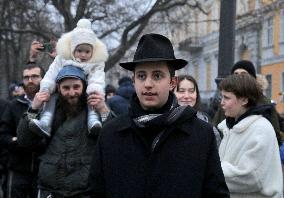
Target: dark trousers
column 21, row 185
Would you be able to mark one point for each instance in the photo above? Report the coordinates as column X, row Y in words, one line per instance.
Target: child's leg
column 42, row 127
column 94, row 123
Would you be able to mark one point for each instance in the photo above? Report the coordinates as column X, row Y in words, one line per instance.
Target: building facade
column 259, row 37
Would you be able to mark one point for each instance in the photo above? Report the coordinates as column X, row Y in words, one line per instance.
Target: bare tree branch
column 80, row 10
column 64, row 8
column 35, row 32
column 134, row 29
column 123, row 21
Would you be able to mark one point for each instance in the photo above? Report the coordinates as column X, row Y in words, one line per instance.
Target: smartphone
column 47, row 47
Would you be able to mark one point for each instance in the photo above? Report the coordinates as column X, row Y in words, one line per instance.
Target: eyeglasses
column 32, row 77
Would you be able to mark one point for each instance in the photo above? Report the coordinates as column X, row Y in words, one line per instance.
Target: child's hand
column 39, row 99
column 97, row 102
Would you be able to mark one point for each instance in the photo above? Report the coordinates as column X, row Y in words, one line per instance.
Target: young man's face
column 152, row 83
column 71, row 89
column 31, row 80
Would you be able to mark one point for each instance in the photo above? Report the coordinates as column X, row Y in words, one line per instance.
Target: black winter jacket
column 183, row 163
column 20, row 158
column 65, row 164
column 120, row 101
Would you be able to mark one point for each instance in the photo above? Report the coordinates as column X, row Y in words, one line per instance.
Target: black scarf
column 157, row 119
column 151, row 124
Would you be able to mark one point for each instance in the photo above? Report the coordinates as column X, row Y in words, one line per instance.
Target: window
column 208, row 76
column 282, row 26
column 269, row 32
column 196, row 73
column 269, row 88
column 281, row 93
column 282, row 86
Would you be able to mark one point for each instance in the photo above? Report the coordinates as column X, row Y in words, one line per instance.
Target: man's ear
column 173, row 82
column 244, row 101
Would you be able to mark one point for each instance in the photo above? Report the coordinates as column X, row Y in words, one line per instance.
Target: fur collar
column 240, row 126
column 63, row 48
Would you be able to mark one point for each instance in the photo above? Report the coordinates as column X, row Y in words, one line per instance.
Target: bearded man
column 21, row 162
column 64, row 166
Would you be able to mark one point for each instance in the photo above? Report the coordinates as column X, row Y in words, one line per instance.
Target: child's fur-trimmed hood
column 63, row 48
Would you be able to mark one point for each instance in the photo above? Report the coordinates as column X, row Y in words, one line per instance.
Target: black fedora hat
column 152, row 48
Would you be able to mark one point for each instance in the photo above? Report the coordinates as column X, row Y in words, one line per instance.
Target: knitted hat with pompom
column 83, row 34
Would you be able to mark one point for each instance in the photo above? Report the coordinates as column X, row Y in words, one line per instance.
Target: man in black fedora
column 159, row 149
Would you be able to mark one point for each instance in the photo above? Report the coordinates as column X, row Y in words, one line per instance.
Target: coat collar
column 241, row 126
column 24, row 100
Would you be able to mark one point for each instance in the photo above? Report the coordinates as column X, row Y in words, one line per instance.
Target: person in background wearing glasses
column 22, row 171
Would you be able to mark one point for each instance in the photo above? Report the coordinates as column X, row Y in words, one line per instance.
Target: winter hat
column 70, row 71
column 109, row 89
column 246, row 65
column 83, row 33
column 125, row 79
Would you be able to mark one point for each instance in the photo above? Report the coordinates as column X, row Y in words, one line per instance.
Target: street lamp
column 226, row 38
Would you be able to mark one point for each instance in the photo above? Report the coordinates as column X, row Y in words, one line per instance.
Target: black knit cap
column 246, row 65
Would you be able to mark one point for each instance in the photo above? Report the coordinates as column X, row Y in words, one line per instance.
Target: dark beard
column 31, row 89
column 71, row 110
column 64, row 110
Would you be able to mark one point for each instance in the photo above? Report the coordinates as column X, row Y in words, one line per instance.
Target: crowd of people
column 67, row 134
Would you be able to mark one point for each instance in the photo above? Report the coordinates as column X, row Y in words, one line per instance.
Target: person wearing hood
column 64, row 163
column 16, row 90
column 80, row 48
column 120, row 101
column 249, row 150
column 245, row 66
column 157, row 149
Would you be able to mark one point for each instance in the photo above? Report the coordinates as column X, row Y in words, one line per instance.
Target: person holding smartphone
column 39, row 47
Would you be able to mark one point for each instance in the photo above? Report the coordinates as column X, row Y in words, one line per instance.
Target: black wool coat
column 184, row 163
